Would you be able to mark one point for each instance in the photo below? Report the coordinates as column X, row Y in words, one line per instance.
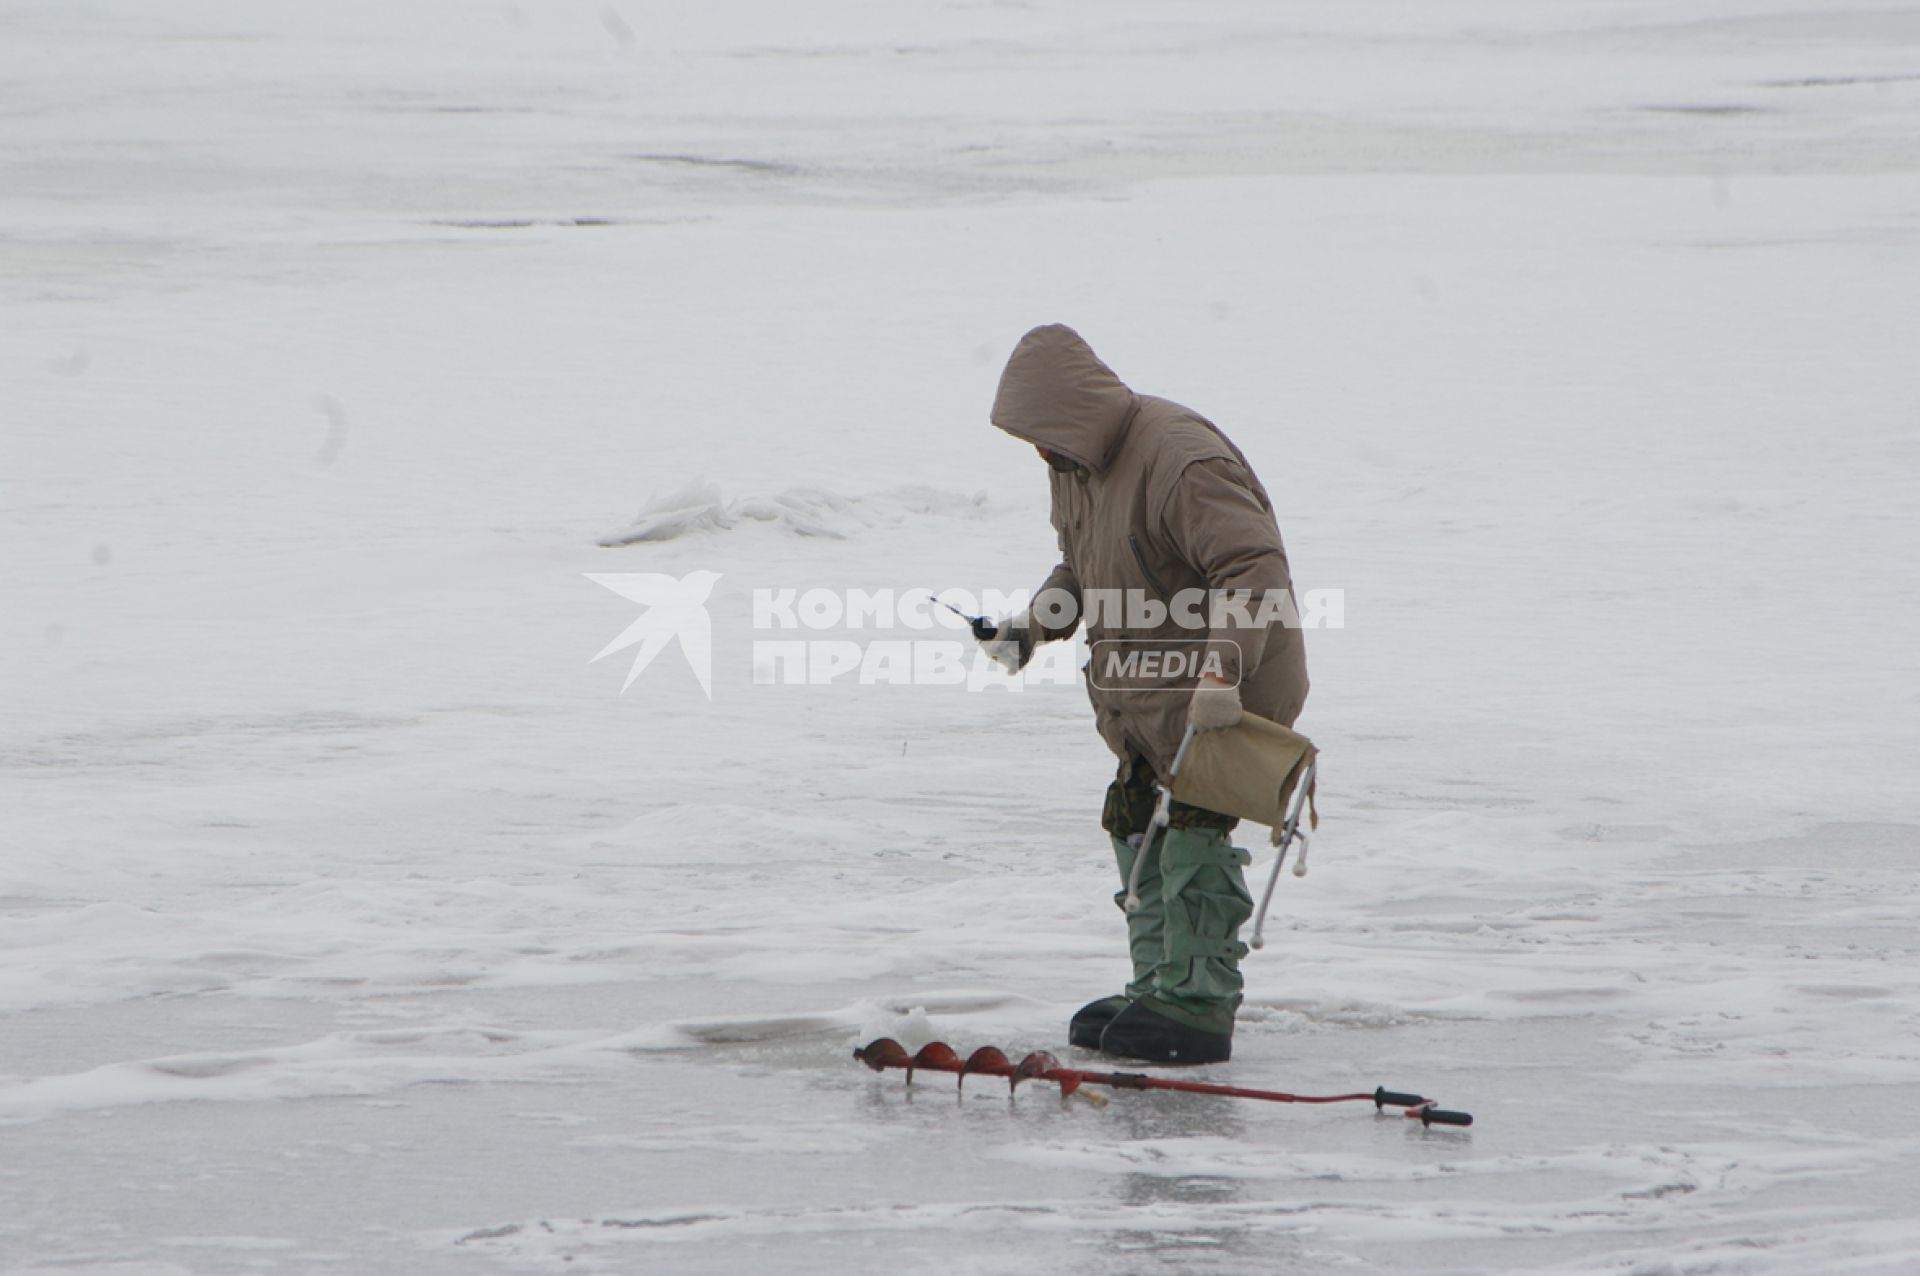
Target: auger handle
column 1419, row 1106
column 1384, row 1097
column 1441, row 1116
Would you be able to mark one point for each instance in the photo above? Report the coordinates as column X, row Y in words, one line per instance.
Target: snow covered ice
column 351, row 920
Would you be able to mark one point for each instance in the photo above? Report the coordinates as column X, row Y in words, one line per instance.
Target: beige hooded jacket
column 1162, row 505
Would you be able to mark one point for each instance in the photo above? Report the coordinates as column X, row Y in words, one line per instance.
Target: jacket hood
column 1057, row 394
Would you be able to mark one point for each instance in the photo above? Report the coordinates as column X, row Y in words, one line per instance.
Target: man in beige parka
column 1168, row 546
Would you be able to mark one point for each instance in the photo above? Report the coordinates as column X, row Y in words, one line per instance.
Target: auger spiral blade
column 986, row 1060
column 1042, row 1066
column 935, row 1056
column 882, row 1053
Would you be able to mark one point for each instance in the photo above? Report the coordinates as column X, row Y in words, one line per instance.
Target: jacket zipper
column 1140, row 557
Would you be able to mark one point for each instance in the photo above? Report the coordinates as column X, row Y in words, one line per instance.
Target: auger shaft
column 990, row 1061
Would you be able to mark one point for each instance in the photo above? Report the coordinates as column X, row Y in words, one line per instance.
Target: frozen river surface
column 351, row 920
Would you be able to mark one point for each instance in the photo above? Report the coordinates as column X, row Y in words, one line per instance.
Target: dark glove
column 1008, row 643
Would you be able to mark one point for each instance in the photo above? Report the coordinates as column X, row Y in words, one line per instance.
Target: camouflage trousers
column 1130, row 801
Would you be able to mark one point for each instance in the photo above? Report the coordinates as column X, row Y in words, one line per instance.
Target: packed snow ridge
column 805, row 511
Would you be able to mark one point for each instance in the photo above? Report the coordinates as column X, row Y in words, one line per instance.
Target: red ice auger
column 990, row 1061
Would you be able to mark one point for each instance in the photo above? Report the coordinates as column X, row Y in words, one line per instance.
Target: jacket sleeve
column 1063, row 580
column 1215, row 520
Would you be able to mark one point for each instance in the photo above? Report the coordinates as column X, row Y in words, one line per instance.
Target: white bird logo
column 674, row 609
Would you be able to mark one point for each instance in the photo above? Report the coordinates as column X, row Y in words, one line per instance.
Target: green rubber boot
column 1146, row 929
column 1145, row 942
column 1204, row 900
